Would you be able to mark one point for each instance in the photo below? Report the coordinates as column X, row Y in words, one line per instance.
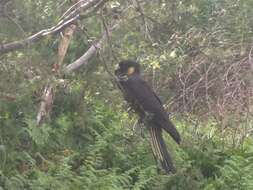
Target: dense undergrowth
column 97, row 148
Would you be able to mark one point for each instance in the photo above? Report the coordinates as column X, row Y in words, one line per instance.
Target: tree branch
column 83, row 60
column 48, row 93
column 61, row 25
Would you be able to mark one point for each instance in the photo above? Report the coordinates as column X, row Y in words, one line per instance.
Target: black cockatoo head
column 127, row 68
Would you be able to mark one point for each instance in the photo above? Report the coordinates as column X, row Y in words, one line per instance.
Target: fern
column 39, row 135
column 237, row 171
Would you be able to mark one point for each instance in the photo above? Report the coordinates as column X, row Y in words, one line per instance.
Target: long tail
column 170, row 128
column 160, row 151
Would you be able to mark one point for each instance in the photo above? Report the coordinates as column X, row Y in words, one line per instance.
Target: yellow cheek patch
column 130, row 70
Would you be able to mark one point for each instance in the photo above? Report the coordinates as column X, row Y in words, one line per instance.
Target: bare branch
column 46, row 103
column 61, row 25
column 80, row 6
column 47, row 97
column 89, row 53
column 73, row 7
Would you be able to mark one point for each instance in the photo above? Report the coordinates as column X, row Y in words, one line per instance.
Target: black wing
column 140, row 92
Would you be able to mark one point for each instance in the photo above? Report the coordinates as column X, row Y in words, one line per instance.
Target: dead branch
column 47, row 96
column 60, row 26
column 48, row 93
column 83, row 60
column 46, row 103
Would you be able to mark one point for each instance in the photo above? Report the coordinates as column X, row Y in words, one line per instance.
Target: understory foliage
column 97, row 148
column 197, row 55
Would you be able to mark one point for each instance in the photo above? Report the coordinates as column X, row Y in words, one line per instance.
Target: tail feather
column 170, row 128
column 160, row 151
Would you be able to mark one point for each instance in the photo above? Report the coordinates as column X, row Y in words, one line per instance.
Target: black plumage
column 149, row 107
